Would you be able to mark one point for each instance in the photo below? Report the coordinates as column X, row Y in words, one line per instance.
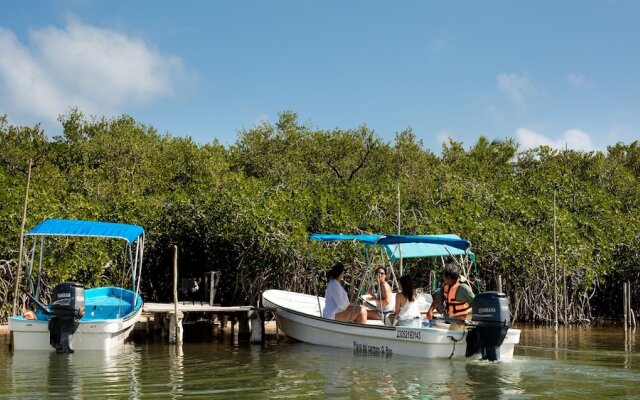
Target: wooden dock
column 189, row 306
column 250, row 319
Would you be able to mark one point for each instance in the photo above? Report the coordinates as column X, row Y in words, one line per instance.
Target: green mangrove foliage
column 246, row 210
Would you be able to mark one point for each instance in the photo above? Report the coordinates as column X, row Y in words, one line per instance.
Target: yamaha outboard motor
column 67, row 307
column 489, row 325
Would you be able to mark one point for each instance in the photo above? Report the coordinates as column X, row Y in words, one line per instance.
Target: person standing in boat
column 407, row 311
column 456, row 294
column 337, row 305
column 382, row 298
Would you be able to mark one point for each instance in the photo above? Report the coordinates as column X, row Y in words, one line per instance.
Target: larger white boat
column 488, row 333
column 77, row 319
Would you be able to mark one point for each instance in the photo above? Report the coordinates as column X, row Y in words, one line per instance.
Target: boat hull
column 298, row 315
column 94, row 332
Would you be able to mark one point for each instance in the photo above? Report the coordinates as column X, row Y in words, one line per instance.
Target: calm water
column 579, row 363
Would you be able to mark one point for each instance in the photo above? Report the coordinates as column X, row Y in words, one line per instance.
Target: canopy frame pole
column 39, row 281
column 140, row 254
column 128, row 260
column 362, row 281
column 29, row 266
column 133, row 260
column 394, row 278
column 314, row 277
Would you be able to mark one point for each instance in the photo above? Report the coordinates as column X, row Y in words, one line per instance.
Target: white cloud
column 574, row 139
column 97, row 70
column 515, row 87
column 578, row 80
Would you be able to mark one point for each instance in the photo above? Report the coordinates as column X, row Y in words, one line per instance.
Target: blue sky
column 561, row 73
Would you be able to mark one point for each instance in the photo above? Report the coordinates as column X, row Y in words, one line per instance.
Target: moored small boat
column 77, row 319
column 488, row 333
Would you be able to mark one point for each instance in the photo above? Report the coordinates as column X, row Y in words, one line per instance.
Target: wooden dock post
column 223, row 324
column 176, row 330
column 175, row 323
column 257, row 327
column 625, row 305
column 243, row 326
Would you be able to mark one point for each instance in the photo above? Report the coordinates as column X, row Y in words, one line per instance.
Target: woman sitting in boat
column 337, row 305
column 407, row 311
column 382, row 298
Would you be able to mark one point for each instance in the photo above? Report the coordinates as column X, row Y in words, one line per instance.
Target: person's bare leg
column 373, row 314
column 362, row 317
column 356, row 314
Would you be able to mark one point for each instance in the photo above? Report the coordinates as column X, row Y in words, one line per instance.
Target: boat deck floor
column 106, row 307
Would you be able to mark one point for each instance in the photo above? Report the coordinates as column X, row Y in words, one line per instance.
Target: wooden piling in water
column 625, row 305
column 257, row 327
column 175, row 318
column 24, row 218
column 629, row 315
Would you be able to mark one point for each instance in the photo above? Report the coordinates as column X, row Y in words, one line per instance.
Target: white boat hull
column 29, row 334
column 298, row 315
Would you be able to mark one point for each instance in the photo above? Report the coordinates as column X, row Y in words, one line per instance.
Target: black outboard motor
column 489, row 325
column 67, row 307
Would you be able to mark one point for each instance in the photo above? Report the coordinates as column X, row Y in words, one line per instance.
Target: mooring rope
column 464, row 332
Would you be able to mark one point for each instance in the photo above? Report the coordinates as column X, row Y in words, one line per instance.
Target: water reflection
column 629, row 346
column 32, row 373
column 176, row 370
column 590, row 362
column 338, row 373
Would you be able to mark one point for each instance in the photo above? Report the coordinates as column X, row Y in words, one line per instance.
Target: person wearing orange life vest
column 456, row 295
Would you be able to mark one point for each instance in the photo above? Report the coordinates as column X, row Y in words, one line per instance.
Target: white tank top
column 410, row 310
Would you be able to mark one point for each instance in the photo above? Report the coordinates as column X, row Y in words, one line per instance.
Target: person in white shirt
column 337, row 305
column 407, row 311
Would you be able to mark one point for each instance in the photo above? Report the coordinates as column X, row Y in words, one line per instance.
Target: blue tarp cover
column 64, row 227
column 412, row 245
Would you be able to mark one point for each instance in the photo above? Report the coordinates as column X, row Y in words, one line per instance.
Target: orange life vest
column 29, row 315
column 455, row 308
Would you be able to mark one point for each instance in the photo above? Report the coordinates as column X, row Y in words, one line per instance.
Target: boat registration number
column 409, row 334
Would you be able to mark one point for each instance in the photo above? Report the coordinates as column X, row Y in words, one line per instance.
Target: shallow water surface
column 578, row 362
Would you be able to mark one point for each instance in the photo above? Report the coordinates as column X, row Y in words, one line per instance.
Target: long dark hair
column 335, row 271
column 407, row 287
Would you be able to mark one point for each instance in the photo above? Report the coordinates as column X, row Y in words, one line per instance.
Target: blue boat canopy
column 64, row 227
column 417, row 250
column 411, row 245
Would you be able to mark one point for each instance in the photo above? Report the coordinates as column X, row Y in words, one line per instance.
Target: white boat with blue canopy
column 99, row 318
column 488, row 333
